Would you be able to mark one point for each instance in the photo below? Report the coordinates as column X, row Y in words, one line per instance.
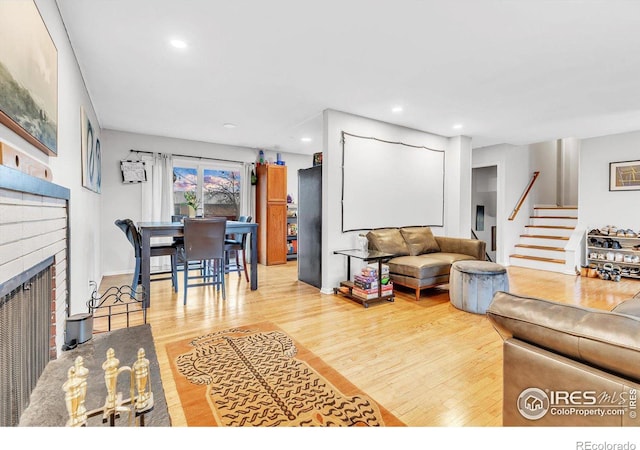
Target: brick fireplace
column 34, row 284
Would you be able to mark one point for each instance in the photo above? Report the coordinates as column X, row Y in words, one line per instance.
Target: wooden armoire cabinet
column 271, row 214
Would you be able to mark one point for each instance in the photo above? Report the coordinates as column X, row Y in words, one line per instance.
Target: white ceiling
column 510, row 71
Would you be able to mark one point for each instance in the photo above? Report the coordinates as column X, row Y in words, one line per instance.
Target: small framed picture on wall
column 624, row 176
column 133, row 171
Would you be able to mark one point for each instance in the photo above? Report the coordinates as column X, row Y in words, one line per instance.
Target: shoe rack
column 614, row 251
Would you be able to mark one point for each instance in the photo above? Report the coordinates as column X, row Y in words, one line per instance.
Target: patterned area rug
column 259, row 376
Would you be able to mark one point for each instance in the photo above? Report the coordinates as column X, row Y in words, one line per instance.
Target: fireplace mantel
column 12, row 180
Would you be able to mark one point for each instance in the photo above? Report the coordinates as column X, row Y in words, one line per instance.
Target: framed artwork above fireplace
column 28, row 76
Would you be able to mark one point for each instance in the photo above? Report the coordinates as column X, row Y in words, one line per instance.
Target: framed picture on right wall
column 624, row 176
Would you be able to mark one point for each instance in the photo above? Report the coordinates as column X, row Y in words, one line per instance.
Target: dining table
column 149, row 230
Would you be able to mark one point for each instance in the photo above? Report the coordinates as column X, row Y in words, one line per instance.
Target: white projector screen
column 390, row 184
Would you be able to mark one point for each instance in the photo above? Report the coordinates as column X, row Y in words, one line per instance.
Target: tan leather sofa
column 422, row 260
column 566, row 365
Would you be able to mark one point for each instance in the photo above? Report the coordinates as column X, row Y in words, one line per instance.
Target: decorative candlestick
column 140, row 371
column 110, row 367
column 71, row 387
column 139, row 403
column 82, row 373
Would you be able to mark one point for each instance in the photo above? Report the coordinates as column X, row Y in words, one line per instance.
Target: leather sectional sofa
column 422, row 260
column 566, row 365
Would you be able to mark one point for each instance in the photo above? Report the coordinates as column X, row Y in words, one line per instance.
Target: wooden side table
column 346, row 287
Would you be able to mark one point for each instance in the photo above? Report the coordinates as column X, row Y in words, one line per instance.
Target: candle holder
column 140, row 399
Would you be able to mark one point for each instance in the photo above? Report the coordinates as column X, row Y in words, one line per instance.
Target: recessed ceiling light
column 306, row 139
column 178, row 43
column 457, row 126
column 229, row 125
column 396, row 109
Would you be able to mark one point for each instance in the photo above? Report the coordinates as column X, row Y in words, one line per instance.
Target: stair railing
column 523, row 197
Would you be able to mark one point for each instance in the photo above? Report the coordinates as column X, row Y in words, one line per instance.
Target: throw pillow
column 388, row 240
column 420, row 240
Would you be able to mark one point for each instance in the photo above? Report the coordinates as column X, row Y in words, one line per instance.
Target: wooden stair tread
column 542, row 236
column 541, row 247
column 550, row 226
column 554, row 217
column 538, row 258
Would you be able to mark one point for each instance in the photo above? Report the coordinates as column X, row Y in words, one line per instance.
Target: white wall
column 484, row 192
column 457, row 188
column 570, row 154
column 597, row 205
column 543, row 157
column 85, row 205
column 122, row 200
column 514, row 174
column 557, row 162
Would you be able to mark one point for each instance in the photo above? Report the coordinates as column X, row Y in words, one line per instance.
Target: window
column 216, row 187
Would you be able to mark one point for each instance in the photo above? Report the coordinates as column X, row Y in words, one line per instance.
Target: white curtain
column 247, row 200
column 247, row 206
column 157, row 199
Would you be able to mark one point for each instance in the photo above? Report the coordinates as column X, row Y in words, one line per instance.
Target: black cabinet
column 310, row 226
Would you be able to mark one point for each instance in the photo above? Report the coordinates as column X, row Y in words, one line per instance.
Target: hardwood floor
column 427, row 362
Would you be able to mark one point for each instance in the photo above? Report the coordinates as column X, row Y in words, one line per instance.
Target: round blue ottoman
column 472, row 284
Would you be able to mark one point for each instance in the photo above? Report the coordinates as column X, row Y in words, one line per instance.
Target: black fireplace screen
column 25, row 333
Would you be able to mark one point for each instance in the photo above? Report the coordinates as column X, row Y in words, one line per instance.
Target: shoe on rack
column 630, row 233
column 616, row 277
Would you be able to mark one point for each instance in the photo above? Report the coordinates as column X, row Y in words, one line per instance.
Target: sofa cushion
column 424, row 266
column 472, row 247
column 419, row 240
column 448, row 258
column 388, row 240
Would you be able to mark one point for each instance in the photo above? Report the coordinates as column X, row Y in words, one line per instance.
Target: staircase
column 543, row 242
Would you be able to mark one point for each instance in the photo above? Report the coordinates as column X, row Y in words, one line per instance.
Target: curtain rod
column 195, row 157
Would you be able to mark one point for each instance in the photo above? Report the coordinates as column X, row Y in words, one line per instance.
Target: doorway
column 484, row 197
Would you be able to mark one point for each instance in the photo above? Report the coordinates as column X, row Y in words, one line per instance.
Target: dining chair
column 131, row 231
column 236, row 245
column 204, row 240
column 178, row 240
